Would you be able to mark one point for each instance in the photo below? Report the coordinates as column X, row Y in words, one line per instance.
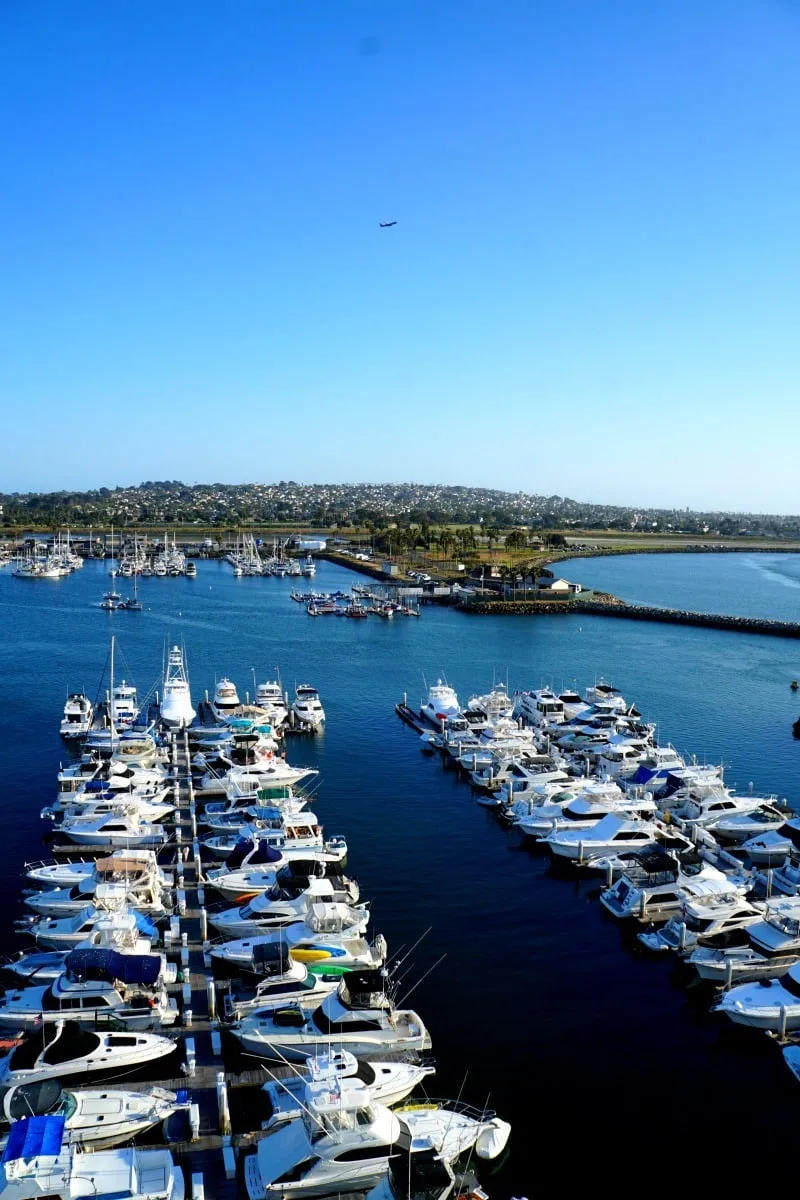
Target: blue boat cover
column 34, row 1136
column 94, row 962
column 94, row 785
column 264, row 853
column 144, row 924
column 643, row 775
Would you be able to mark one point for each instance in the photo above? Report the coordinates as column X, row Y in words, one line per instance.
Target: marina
column 377, row 787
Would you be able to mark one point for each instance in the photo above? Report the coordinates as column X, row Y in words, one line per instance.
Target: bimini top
column 34, row 1136
column 96, row 962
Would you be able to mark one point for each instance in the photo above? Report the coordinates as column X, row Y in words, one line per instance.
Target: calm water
column 540, row 1007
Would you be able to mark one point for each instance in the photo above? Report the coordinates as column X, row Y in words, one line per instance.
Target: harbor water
column 541, row 1007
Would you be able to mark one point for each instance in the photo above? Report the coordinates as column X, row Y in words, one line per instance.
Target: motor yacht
column 771, row 849
column 97, row 983
column 38, row 1161
column 65, row 933
column 440, row 705
column 176, row 700
column 769, row 1004
column 707, row 810
column 389, row 1083
column 323, row 951
column 307, row 706
column 278, row 907
column 253, row 867
column 773, row 946
column 565, row 812
column 359, row 1016
column 257, row 779
column 343, row 1140
column 78, row 716
column 716, row 921
column 63, row 1049
column 113, row 830
column 142, row 891
column 226, row 700
column 126, row 932
column 121, row 867
column 739, row 827
column 659, row 888
column 540, row 707
column 280, row 980
column 612, row 835
column 94, row 1117
column 270, row 697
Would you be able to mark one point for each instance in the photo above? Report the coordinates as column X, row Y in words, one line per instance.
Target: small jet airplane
column 386, row 224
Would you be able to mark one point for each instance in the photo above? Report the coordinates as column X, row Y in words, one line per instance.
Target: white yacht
column 94, row 1117
column 125, row 932
column 176, row 700
column 116, row 868
column 564, row 812
column 114, row 830
column 343, row 1139
column 270, row 697
column 612, row 835
column 78, row 716
column 125, row 705
column 389, row 1082
column 97, row 983
column 706, row 921
column 359, row 1016
column 322, row 951
column 307, row 706
column 279, row 907
column 38, row 1162
column 226, row 700
column 661, row 886
column 770, row 1004
column 773, row 947
column 63, row 1049
column 441, row 704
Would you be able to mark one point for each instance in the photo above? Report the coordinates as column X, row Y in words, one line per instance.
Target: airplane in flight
column 386, row 224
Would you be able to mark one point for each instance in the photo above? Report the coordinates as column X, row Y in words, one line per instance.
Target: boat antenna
column 425, row 976
column 400, row 961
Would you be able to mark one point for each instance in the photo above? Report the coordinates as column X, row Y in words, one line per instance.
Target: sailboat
column 133, row 603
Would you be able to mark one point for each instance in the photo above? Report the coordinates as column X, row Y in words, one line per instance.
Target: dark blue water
column 540, row 1007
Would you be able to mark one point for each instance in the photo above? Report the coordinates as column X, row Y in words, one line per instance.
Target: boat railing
column 461, row 1107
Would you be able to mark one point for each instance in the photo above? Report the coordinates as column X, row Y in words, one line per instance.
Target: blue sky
column 592, row 288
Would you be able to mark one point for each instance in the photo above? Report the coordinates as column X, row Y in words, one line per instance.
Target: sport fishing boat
column 359, row 1016
column 78, row 716
column 38, row 1162
column 281, row 981
column 440, row 705
column 63, row 1048
column 344, row 1139
column 176, row 700
column 92, row 1116
column 254, row 865
column 122, row 867
column 307, row 706
column 773, row 947
column 769, row 1004
column 324, row 953
column 388, row 1082
column 612, row 835
column 114, row 830
column 270, row 697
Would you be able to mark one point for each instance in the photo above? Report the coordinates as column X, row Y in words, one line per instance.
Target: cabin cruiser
column 296, row 830
column 281, row 980
column 442, row 703
column 176, row 700
column 114, row 830
column 540, row 707
column 37, row 1161
column 773, row 947
column 739, row 827
column 769, row 849
column 151, row 809
column 67, row 932
column 78, row 716
column 143, row 892
column 226, row 700
column 92, row 1116
column 324, row 952
column 389, row 1082
column 359, row 1016
column 611, row 835
column 63, row 1048
column 269, row 696
column 278, row 907
column 660, row 886
column 343, row 1139
column 307, row 706
column 316, row 936
column 97, row 983
column 654, row 770
column 567, row 813
column 709, row 809
column 124, row 705
column 121, row 867
column 770, row 1004
column 125, row 932
column 485, row 709
column 254, row 865
column 707, row 921
column 266, row 775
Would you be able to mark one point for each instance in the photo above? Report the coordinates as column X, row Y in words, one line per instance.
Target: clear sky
column 592, row 288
